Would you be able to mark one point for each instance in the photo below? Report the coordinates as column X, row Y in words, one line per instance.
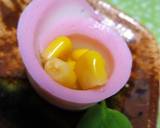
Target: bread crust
column 10, row 61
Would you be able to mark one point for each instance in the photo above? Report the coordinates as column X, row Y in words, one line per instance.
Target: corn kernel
column 61, row 47
column 61, row 72
column 76, row 54
column 90, row 70
column 71, row 63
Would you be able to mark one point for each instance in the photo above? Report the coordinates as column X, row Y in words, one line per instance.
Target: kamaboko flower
column 45, row 20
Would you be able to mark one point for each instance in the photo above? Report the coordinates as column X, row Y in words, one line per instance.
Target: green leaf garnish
column 99, row 116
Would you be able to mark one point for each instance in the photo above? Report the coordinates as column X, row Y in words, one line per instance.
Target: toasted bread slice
column 10, row 61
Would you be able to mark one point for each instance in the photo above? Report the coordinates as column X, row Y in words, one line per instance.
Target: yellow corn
column 90, row 70
column 71, row 63
column 76, row 54
column 61, row 72
column 61, row 47
column 85, row 66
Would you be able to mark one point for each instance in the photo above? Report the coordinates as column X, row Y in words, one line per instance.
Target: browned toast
column 10, row 61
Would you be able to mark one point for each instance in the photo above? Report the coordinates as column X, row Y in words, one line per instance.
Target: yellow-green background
column 147, row 12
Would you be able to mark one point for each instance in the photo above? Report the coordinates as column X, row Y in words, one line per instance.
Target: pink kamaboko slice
column 45, row 20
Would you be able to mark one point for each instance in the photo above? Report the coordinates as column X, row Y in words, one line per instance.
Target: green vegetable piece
column 99, row 116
